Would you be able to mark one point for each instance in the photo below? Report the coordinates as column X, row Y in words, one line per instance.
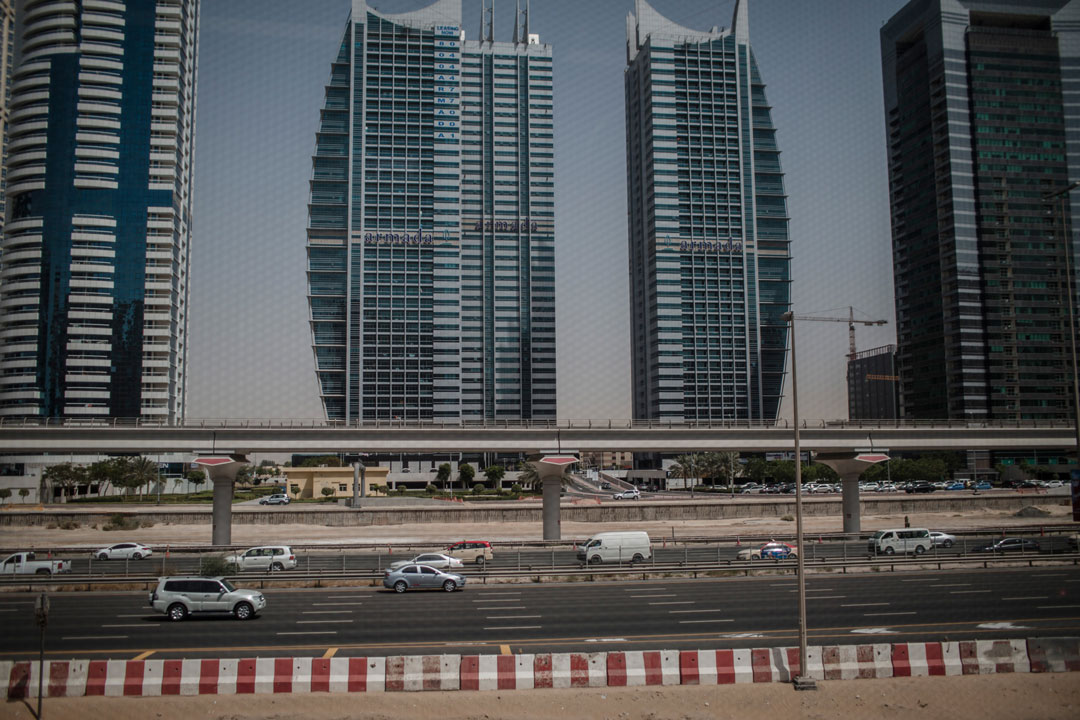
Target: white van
column 616, row 547
column 902, row 540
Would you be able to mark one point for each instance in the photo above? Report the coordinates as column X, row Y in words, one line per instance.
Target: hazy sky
column 262, row 68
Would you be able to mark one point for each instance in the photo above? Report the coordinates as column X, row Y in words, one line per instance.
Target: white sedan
column 435, row 560
column 123, row 551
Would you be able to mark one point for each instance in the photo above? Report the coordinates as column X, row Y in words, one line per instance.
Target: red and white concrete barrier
column 407, row 673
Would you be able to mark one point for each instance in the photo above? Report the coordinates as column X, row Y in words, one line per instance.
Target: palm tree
column 141, row 471
column 688, row 467
column 528, row 476
column 728, row 466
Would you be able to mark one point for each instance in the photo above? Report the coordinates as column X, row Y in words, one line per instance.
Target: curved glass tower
column 708, row 225
column 430, row 237
column 94, row 286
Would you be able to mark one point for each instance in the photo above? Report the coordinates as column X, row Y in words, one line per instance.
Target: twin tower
column 431, row 237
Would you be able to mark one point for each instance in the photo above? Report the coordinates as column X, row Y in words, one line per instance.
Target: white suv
column 178, row 597
column 265, row 557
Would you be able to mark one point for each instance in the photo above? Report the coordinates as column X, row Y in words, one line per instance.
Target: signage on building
column 447, row 30
column 404, row 239
column 523, row 225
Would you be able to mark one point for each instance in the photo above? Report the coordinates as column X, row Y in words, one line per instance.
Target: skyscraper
column 93, row 301
column 708, row 225
column 430, row 238
column 7, row 58
column 979, row 129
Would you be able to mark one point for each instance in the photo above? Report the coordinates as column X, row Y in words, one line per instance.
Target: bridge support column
column 550, row 468
column 849, row 469
column 221, row 470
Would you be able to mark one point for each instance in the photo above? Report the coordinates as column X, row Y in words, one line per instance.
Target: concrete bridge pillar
column 221, row 470
column 849, row 468
column 550, row 469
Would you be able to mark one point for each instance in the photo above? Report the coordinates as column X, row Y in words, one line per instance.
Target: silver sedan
column 435, row 560
column 421, row 577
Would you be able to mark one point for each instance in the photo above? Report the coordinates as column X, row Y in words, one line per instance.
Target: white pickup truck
column 25, row 563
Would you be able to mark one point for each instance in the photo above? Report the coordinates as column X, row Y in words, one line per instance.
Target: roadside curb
column 408, row 673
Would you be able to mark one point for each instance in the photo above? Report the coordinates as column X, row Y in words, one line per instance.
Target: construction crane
column 850, row 320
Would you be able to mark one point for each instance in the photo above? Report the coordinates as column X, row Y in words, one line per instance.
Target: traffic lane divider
column 418, row 673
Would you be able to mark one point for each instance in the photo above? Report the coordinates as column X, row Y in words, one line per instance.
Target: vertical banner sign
column 1074, row 485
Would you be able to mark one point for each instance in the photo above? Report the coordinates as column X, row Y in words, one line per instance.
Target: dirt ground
column 974, row 697
column 296, row 534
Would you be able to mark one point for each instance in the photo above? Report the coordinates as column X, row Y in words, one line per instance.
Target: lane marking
column 1002, row 626
column 134, row 615
column 967, row 592
column 324, row 612
column 920, row 580
column 504, row 649
column 1055, row 607
column 825, row 597
column 659, row 595
column 310, row 632
column 514, row 627
column 320, row 622
column 863, row 604
column 1050, row 575
column 888, row 613
column 814, row 590
column 1029, row 597
column 94, row 637
column 503, row 607
column 330, row 652
column 344, row 597
column 952, row 585
column 511, row 617
column 872, row 631
column 605, row 640
column 683, row 612
column 506, row 596
column 138, row 625
column 634, row 589
column 711, row 620
column 674, row 602
column 348, row 604
column 144, row 655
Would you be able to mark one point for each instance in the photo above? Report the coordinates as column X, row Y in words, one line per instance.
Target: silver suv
column 178, row 597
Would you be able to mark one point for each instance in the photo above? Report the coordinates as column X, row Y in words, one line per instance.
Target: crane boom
column 850, row 320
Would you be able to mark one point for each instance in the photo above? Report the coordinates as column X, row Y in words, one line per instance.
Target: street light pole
column 803, row 681
column 1061, row 195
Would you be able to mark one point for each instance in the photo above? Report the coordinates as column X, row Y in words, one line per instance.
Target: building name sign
column 704, row 246
column 447, row 30
column 418, row 238
column 506, row 225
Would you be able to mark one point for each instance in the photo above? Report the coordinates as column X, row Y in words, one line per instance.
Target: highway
column 513, row 558
column 559, row 617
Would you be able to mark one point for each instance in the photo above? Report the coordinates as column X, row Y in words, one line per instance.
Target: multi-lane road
column 556, row 617
column 508, row 557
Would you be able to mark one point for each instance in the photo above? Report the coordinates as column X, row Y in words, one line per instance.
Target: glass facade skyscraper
column 708, row 224
column 979, row 130
column 430, row 238
column 94, row 287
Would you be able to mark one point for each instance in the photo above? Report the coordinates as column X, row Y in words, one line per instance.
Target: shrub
column 68, row 525
column 121, row 522
column 214, row 565
column 516, row 488
column 431, row 489
column 478, row 488
column 788, row 518
column 327, row 492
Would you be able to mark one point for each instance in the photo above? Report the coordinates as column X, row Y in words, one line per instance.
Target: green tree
column 727, row 466
column 782, row 471
column 65, row 476
column 443, row 474
column 135, row 473
column 266, row 463
column 327, row 492
column 23, row 492
column 322, row 461
column 466, row 473
column 196, row 478
column 104, row 473
column 5, row 493
column 528, row 475
column 688, row 467
column 756, row 469
column 478, row 489
column 494, row 473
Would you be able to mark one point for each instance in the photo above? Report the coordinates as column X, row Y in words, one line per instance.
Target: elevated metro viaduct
column 549, row 444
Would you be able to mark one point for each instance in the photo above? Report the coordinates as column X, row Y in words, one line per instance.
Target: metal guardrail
column 482, row 575
column 612, row 423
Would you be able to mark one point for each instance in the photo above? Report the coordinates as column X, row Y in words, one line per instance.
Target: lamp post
column 1061, row 195
column 803, row 681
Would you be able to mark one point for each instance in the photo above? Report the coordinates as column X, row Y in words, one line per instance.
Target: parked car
column 123, row 551
column 750, row 488
column 265, row 557
column 1009, row 545
column 1054, row 484
column 772, row 550
column 983, row 485
column 275, row 499
column 178, row 597
column 631, row 494
column 941, row 539
column 955, row 486
column 410, row 577
column 27, row 563
column 920, row 487
column 435, row 560
column 474, row 551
